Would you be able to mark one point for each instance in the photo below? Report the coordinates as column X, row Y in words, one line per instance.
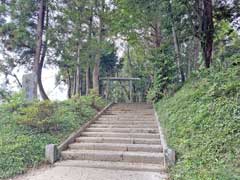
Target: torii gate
column 130, row 80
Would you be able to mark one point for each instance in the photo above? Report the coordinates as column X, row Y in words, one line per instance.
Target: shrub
column 25, row 129
column 39, row 116
column 15, row 102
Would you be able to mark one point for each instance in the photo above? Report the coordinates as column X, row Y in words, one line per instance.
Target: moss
column 202, row 123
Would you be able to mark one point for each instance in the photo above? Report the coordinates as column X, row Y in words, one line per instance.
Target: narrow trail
column 123, row 144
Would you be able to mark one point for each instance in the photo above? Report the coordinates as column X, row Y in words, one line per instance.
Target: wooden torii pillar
column 130, row 80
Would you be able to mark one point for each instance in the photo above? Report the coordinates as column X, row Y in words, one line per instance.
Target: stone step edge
column 117, row 139
column 120, row 134
column 117, row 147
column 123, row 126
column 123, row 130
column 113, row 156
column 115, row 166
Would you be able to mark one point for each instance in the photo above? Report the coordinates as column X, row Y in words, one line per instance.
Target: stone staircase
column 125, row 137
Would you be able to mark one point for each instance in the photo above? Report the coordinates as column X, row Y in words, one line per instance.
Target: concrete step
column 114, row 166
column 118, row 140
column 126, row 119
column 124, row 130
column 121, row 135
column 120, row 116
column 114, row 156
column 145, row 113
column 123, row 126
column 117, row 147
column 126, row 123
column 129, row 113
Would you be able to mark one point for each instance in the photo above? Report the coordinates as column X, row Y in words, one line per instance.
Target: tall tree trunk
column 69, row 82
column 178, row 54
column 41, row 88
column 98, row 54
column 74, row 89
column 87, row 80
column 207, row 32
column 157, row 32
column 40, row 28
column 189, row 54
column 88, row 70
column 196, row 52
column 96, row 74
column 158, row 36
column 78, row 73
column 41, row 63
column 176, row 46
column 130, row 68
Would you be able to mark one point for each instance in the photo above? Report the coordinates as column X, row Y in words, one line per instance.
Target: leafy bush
column 27, row 127
column 164, row 70
column 39, row 116
column 154, row 95
column 14, row 102
column 202, row 123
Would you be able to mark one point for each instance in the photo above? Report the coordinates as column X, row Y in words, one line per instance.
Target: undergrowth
column 25, row 128
column 202, row 123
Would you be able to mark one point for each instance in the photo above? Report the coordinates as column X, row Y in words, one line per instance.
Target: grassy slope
column 202, row 123
column 26, row 129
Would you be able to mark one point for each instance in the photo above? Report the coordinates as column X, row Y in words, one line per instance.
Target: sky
column 49, row 77
column 49, row 82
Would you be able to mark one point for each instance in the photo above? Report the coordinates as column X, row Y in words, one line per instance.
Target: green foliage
column 202, row 125
column 164, row 68
column 108, row 64
column 15, row 102
column 39, row 116
column 118, row 93
column 27, row 127
column 4, row 95
column 226, row 45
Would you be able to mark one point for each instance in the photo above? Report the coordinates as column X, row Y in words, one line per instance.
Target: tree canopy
column 163, row 42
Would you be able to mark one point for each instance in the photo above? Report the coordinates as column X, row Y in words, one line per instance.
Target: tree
column 100, row 12
column 207, row 31
column 40, row 51
column 18, row 36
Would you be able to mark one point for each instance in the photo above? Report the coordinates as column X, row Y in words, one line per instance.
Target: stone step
column 121, row 135
column 134, row 113
column 123, row 126
column 129, row 113
column 127, row 116
column 126, row 123
column 144, row 112
column 116, row 147
column 124, row 130
column 120, row 116
column 114, row 156
column 118, row 140
column 114, row 166
column 127, row 119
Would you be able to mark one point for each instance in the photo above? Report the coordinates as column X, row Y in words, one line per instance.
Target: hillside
column 25, row 128
column 202, row 123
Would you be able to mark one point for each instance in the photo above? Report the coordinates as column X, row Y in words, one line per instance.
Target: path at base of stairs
column 80, row 173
